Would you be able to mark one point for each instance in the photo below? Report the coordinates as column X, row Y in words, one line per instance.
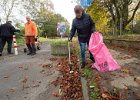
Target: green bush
column 63, row 41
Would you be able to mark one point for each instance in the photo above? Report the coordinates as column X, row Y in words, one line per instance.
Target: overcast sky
column 65, row 8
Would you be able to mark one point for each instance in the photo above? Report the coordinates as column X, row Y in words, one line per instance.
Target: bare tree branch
column 134, row 13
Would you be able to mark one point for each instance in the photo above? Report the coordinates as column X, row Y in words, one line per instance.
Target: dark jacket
column 7, row 30
column 84, row 27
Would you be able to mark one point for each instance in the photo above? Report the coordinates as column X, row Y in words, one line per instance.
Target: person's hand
column 35, row 37
column 70, row 40
column 18, row 30
column 23, row 34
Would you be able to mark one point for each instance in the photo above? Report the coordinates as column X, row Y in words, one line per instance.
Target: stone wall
column 123, row 43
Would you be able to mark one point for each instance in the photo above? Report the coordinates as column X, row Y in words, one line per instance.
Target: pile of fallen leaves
column 70, row 84
column 106, row 92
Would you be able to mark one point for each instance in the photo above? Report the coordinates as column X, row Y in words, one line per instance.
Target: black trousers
column 3, row 41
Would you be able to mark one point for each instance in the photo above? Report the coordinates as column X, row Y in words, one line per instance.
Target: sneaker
column 33, row 54
column 10, row 53
column 0, row 54
column 29, row 53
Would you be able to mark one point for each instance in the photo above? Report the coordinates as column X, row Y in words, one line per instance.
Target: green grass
column 21, row 41
column 59, row 41
column 94, row 95
column 87, row 73
column 93, row 90
column 42, row 39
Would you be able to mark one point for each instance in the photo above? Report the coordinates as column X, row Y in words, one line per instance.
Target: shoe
column 33, row 54
column 83, row 65
column 25, row 50
column 10, row 53
column 29, row 53
column 0, row 54
column 38, row 48
column 33, row 49
column 30, row 49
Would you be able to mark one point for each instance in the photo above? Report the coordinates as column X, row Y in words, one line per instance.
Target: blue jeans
column 83, row 49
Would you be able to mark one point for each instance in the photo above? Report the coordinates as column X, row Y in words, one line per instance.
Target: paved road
column 126, row 80
column 22, row 77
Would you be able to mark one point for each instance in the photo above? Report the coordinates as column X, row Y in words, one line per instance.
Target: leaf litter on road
column 24, row 81
column 53, row 59
column 70, row 84
column 47, row 66
column 137, row 80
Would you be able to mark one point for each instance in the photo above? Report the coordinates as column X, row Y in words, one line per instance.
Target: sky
column 65, row 8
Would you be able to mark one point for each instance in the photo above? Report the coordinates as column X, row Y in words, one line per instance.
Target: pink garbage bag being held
column 104, row 61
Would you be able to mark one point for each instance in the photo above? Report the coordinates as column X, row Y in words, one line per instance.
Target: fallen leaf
column 26, row 87
column 70, row 84
column 104, row 96
column 53, row 59
column 12, row 89
column 55, row 94
column 6, row 77
column 60, row 92
column 42, row 71
column 105, row 90
column 20, row 67
column 39, row 81
column 47, row 65
column 97, row 78
column 35, row 85
column 126, row 70
column 25, row 79
column 126, row 87
column 137, row 80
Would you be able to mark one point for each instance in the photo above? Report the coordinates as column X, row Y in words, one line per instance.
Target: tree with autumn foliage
column 122, row 11
column 99, row 15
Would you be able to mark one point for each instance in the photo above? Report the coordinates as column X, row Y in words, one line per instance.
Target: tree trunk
column 120, row 10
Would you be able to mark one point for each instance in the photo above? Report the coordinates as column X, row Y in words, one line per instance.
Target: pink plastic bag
column 104, row 61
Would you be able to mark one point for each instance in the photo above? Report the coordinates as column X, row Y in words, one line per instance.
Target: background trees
column 122, row 12
column 116, row 16
column 99, row 15
column 7, row 7
column 111, row 16
column 41, row 11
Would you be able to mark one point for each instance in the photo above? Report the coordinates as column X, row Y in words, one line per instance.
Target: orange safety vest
column 31, row 29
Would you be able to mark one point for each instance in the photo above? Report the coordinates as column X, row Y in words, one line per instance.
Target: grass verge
column 92, row 86
column 87, row 73
column 21, row 40
column 59, row 41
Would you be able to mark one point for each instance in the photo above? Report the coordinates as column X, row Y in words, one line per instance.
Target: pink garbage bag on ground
column 104, row 61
